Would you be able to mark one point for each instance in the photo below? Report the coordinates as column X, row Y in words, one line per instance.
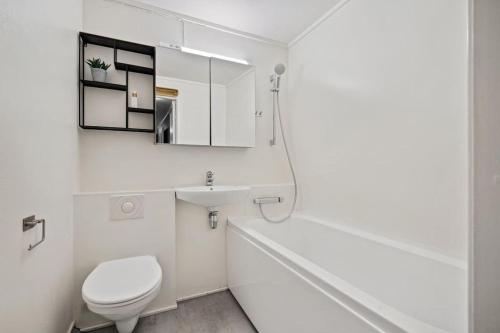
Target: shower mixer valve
column 210, row 178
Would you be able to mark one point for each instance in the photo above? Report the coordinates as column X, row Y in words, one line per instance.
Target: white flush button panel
column 124, row 207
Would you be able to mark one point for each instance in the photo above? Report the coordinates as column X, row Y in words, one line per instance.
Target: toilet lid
column 122, row 280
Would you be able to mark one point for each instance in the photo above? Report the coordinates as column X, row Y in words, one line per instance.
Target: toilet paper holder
column 29, row 223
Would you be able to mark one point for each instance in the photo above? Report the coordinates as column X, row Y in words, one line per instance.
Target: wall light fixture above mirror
column 205, row 53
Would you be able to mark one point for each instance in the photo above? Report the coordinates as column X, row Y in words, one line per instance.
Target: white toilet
column 121, row 289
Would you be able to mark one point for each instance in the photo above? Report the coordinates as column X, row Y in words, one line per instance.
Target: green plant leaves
column 97, row 63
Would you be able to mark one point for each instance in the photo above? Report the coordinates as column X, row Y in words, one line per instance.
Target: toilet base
column 126, row 325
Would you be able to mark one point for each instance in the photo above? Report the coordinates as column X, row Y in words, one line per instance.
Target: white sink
column 213, row 196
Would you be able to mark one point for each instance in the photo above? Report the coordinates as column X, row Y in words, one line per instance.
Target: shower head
column 279, row 69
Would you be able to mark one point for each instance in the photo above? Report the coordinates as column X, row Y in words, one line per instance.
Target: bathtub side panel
column 379, row 267
column 276, row 299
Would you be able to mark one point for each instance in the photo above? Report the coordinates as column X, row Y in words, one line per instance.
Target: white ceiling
column 279, row 20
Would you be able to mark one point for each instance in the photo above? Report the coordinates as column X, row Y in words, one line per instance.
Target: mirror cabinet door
column 203, row 101
column 182, row 98
column 232, row 104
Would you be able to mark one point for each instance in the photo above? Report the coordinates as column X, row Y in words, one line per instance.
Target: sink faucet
column 210, row 178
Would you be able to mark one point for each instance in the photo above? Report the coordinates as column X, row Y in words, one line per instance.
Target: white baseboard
column 205, row 293
column 70, row 328
column 159, row 310
column 145, row 314
column 96, row 327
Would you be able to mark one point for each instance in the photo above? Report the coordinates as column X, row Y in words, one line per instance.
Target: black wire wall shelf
column 116, row 45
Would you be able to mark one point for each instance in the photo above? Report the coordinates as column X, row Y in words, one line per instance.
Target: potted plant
column 98, row 69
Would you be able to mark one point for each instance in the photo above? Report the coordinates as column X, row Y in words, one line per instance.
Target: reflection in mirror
column 232, row 104
column 166, row 111
column 182, row 98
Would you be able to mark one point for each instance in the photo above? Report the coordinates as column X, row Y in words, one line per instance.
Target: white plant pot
column 98, row 74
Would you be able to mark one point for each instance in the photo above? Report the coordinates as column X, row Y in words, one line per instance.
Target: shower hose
column 276, row 102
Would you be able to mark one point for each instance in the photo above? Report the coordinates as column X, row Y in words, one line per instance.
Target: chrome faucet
column 210, row 178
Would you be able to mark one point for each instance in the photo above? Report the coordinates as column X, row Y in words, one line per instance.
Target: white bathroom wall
column 378, row 99
column 38, row 161
column 486, row 208
column 99, row 238
column 112, row 161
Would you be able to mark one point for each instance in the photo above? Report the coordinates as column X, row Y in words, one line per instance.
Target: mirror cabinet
column 203, row 101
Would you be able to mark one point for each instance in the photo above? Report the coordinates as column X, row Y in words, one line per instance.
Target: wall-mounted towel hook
column 29, row 223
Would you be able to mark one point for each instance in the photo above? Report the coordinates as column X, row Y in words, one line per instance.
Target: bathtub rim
column 377, row 314
column 411, row 248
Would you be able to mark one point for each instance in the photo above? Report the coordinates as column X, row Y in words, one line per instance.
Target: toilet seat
column 121, row 282
column 131, row 302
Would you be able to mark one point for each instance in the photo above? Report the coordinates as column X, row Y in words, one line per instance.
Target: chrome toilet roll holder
column 29, row 223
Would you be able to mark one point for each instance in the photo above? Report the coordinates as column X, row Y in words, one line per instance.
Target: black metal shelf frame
column 116, row 44
column 140, row 110
column 133, row 68
column 104, row 85
column 120, row 129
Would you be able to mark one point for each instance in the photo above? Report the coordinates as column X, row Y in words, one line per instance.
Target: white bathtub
column 305, row 275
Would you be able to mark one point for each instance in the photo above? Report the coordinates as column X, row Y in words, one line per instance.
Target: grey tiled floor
column 216, row 313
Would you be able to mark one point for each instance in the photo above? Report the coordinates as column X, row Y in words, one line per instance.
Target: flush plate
column 125, row 207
